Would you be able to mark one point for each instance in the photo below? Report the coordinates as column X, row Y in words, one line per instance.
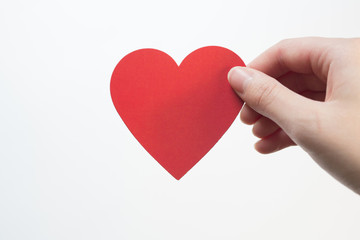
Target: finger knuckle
column 265, row 95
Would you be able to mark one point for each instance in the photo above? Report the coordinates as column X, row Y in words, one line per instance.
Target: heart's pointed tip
column 177, row 175
column 178, row 178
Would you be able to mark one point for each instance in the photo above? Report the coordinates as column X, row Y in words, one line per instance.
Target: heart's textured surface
column 177, row 113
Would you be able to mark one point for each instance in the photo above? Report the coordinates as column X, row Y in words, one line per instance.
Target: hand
column 306, row 92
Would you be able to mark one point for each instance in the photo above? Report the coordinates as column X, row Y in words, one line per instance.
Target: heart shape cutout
column 177, row 113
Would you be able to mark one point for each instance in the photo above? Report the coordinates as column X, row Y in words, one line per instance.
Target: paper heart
column 177, row 113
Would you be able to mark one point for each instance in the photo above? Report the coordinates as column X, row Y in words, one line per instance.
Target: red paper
column 177, row 113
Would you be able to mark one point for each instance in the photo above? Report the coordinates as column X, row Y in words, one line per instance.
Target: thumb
column 270, row 98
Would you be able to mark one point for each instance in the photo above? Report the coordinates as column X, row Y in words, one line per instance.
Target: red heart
column 177, row 113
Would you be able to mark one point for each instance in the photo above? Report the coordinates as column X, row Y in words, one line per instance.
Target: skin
column 306, row 92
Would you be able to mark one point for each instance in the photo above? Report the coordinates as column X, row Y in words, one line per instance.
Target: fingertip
column 260, row 147
column 273, row 143
column 264, row 127
column 239, row 77
column 249, row 116
column 230, row 73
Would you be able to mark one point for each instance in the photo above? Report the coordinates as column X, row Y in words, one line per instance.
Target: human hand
column 306, row 92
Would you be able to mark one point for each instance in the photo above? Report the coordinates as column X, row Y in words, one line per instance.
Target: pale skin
column 306, row 92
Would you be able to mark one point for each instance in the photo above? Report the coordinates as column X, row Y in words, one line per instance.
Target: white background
column 70, row 169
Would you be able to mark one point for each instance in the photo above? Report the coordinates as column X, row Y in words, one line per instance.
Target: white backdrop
column 69, row 167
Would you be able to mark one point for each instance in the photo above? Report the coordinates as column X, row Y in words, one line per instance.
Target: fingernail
column 238, row 78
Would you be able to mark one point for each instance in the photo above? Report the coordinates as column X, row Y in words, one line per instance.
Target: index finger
column 300, row 55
